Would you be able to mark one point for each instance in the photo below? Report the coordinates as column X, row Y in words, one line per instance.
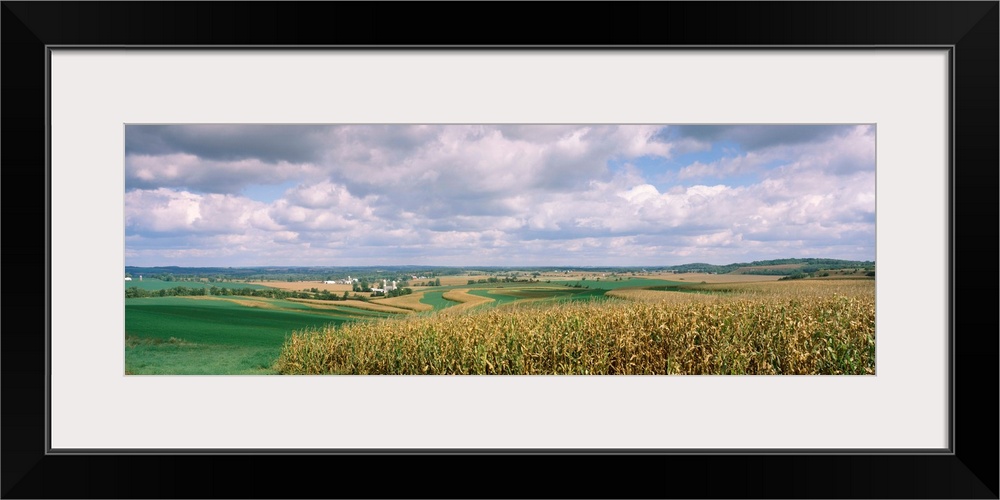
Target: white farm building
column 347, row 281
column 386, row 287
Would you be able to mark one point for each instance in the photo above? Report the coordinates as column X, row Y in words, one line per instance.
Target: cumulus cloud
column 835, row 150
column 753, row 137
column 226, row 143
column 187, row 171
column 495, row 195
column 167, row 212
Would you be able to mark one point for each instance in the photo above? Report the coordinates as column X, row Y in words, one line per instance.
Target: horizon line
column 493, row 265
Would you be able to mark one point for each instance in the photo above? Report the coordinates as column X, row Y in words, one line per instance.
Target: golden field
column 411, row 302
column 792, row 327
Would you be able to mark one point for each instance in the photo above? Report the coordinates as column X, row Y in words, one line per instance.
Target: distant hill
column 777, row 267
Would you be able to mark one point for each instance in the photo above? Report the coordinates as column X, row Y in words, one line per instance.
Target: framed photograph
column 296, row 172
column 501, row 249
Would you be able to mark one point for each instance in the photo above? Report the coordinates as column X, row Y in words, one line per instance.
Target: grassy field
column 208, row 335
column 794, row 327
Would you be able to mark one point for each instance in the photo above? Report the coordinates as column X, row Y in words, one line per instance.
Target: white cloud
column 492, row 194
column 186, row 171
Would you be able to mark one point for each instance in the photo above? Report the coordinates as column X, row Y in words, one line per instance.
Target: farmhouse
column 386, row 288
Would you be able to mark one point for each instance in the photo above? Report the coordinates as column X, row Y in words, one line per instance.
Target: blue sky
column 502, row 195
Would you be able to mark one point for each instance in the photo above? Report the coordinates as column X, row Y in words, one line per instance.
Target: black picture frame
column 968, row 470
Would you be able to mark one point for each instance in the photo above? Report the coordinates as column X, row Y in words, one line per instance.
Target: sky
column 496, row 195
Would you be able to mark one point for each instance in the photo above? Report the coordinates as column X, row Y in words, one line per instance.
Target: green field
column 155, row 285
column 435, row 299
column 499, row 298
column 181, row 335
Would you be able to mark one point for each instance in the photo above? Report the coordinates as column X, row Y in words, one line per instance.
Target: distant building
column 128, row 278
column 329, row 282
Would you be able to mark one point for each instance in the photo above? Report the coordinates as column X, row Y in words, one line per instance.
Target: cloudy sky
column 505, row 195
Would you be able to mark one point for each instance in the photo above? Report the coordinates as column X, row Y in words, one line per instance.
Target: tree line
column 133, row 292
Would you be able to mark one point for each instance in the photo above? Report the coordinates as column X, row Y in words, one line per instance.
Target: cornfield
column 795, row 328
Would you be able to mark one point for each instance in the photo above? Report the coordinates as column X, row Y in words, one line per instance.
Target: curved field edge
column 411, row 302
column 355, row 304
column 466, row 300
column 787, row 330
column 211, row 335
column 435, row 299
